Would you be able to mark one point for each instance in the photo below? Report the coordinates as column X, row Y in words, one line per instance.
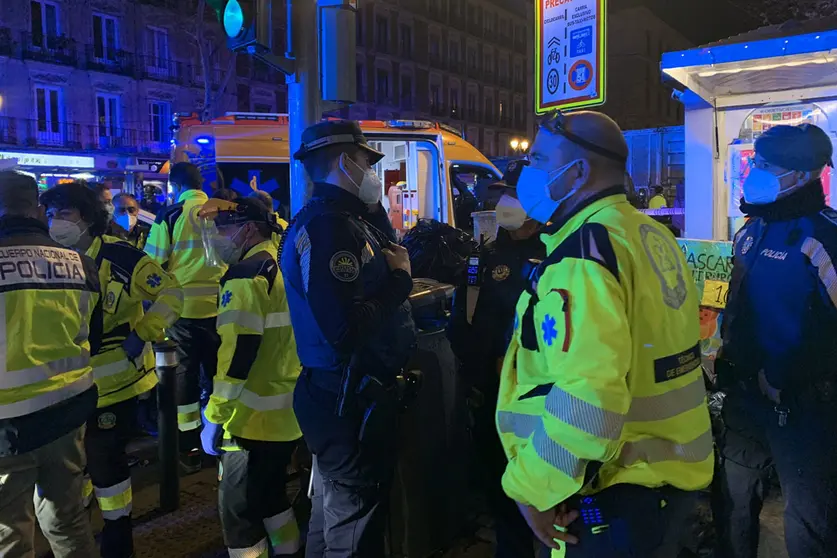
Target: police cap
column 335, row 132
column 802, row 148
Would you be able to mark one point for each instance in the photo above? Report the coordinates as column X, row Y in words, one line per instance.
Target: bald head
column 602, row 131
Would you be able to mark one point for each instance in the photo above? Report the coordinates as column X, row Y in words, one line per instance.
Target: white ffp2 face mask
column 510, row 214
column 66, row 233
column 126, row 221
column 370, row 188
column 762, row 187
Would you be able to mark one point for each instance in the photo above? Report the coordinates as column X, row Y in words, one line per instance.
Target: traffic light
column 247, row 24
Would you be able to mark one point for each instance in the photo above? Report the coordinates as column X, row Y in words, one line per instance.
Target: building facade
column 467, row 63
column 100, row 79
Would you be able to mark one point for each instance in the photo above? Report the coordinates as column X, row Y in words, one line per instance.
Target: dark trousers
column 252, row 501
column 641, row 523
column 804, row 452
column 108, row 433
column 197, row 352
column 514, row 537
column 353, row 477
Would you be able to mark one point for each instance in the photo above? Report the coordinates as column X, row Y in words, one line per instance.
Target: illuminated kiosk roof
column 769, row 64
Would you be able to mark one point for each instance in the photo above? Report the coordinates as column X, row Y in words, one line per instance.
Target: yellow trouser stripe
column 115, row 501
column 258, row 550
column 283, row 532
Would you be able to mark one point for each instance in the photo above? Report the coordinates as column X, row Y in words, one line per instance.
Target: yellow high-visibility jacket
column 128, row 277
column 252, row 395
column 49, row 295
column 604, row 364
column 175, row 243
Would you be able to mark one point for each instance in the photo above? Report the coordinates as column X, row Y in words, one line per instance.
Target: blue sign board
column 581, row 41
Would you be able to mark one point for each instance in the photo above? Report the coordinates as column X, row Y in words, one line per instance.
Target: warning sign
column 570, row 48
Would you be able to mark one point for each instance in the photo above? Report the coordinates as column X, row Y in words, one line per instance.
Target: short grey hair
column 18, row 194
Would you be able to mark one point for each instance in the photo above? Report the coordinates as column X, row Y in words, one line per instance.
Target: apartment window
column 262, row 108
column 382, row 86
column 489, row 63
column 472, row 102
column 406, row 40
column 454, row 99
column 281, row 101
column 44, row 23
column 501, row 110
column 518, row 115
column 157, row 45
column 107, row 110
column 105, row 37
column 358, row 28
column 472, row 59
column 434, row 47
column 407, row 91
column 159, row 114
column 504, row 68
column 518, row 72
column 489, row 107
column 48, row 110
column 243, row 97
column 381, row 33
column 360, row 74
column 435, row 96
column 454, row 52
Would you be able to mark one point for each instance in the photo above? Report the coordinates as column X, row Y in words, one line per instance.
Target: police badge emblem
column 746, row 245
column 501, row 273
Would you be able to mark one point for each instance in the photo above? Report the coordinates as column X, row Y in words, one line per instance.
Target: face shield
column 218, row 248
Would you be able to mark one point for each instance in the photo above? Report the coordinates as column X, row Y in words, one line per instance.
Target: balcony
column 50, row 48
column 438, row 110
column 25, row 132
column 110, row 61
column 7, row 45
column 475, row 28
column 160, row 69
column 382, row 47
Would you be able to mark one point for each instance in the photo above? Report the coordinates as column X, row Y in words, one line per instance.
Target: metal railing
column 49, row 48
column 33, row 132
column 161, row 69
column 111, row 61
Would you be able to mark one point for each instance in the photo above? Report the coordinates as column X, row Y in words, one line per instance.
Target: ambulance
column 429, row 170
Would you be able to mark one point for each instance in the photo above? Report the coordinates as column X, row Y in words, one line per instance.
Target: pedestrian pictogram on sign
column 580, row 75
column 570, row 48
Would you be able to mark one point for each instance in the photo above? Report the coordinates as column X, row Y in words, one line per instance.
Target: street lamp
column 514, row 143
column 519, row 145
column 524, row 145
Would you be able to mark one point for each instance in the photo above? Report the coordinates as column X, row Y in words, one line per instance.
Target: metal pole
column 167, row 425
column 303, row 89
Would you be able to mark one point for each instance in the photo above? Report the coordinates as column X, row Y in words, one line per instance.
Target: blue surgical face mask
column 762, row 187
column 533, row 191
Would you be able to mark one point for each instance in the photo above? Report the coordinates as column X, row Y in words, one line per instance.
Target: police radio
column 474, row 270
column 472, row 292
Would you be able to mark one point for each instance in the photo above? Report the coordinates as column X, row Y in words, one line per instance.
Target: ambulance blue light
column 203, row 141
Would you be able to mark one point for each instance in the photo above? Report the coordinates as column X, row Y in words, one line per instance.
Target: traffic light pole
column 304, row 106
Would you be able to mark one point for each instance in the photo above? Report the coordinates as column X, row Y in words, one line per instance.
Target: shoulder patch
column 344, row 266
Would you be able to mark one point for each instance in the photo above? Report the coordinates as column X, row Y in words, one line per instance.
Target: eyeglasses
column 556, row 123
column 128, row 209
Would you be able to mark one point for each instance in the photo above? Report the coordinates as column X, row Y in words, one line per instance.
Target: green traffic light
column 233, row 19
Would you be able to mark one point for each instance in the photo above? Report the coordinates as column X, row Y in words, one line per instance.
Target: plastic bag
column 438, row 251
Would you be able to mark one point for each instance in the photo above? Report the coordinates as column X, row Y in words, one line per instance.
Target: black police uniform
column 354, row 333
column 479, row 346
column 781, row 321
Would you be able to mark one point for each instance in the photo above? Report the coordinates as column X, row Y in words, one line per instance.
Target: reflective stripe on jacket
column 604, row 364
column 252, row 393
column 128, row 277
column 175, row 243
column 48, row 297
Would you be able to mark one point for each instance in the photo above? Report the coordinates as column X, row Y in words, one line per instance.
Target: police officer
column 481, row 318
column 51, row 323
column 124, row 368
column 778, row 359
column 347, row 286
column 175, row 242
column 602, row 408
column 252, row 397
